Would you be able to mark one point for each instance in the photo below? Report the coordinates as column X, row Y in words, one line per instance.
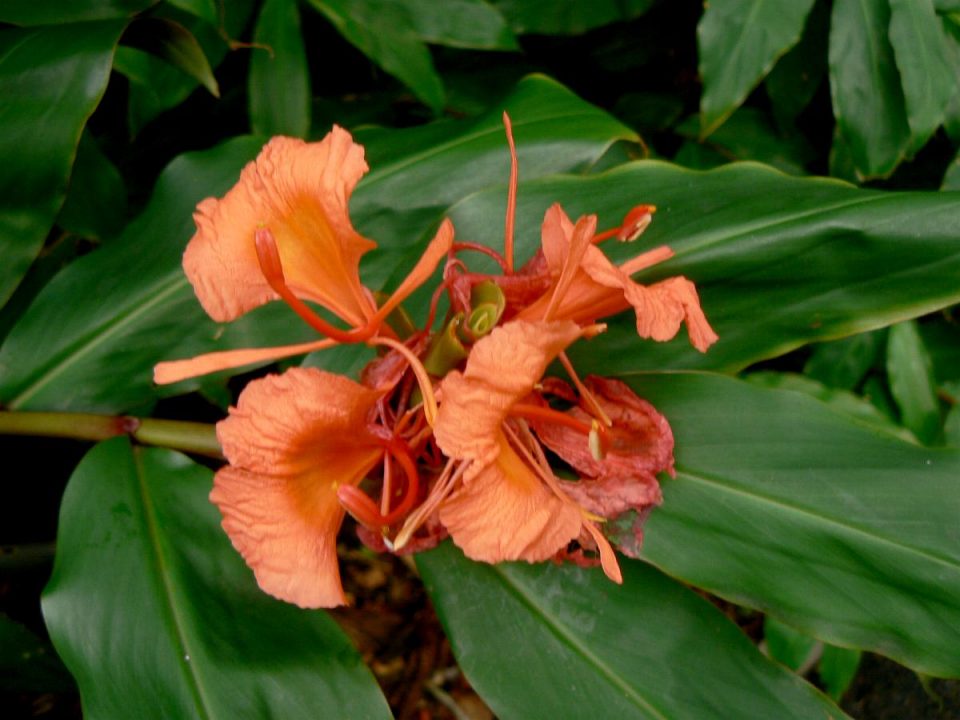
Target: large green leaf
column 90, row 340
column 783, row 505
column 279, row 85
column 868, row 101
column 910, row 373
column 96, row 203
column 739, row 42
column 385, row 33
column 157, row 616
column 543, row 641
column 795, row 78
column 51, row 80
column 924, row 61
column 779, row 261
column 50, row 12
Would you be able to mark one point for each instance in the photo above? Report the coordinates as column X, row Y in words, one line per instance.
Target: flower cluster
column 451, row 429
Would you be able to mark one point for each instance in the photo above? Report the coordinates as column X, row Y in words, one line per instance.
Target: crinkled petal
column 291, row 441
column 300, row 192
column 502, row 368
column 507, row 513
column 662, row 307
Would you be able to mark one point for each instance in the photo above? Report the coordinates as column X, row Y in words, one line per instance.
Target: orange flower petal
column 502, row 368
column 291, row 441
column 662, row 307
column 176, row 370
column 506, row 513
column 299, row 191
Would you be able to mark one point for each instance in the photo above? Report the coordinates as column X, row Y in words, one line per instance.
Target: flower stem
column 192, row 437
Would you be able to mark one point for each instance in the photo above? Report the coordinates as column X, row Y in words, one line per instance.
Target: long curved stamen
column 360, row 506
column 423, row 379
column 584, row 391
column 398, row 450
column 511, row 196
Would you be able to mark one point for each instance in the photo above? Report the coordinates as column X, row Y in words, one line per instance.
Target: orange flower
column 509, row 505
column 292, row 441
column 587, row 286
column 283, row 231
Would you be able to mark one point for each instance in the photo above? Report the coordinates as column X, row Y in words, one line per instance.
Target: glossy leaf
column 460, row 23
column 784, row 506
column 51, row 80
column 279, row 85
column 31, row 12
column 567, row 17
column 385, row 33
column 96, row 204
column 157, row 616
column 912, row 385
column 868, row 101
column 739, row 41
column 546, row 641
column 924, row 63
column 778, row 261
column 90, row 340
column 176, row 45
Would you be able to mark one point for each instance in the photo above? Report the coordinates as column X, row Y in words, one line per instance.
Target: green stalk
column 192, row 437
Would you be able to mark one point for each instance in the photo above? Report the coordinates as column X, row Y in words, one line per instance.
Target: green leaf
column 837, row 668
column 567, row 17
column 49, row 12
column 786, row 645
column 279, row 85
column 51, row 80
column 868, row 101
column 912, row 385
column 90, row 339
column 460, row 23
column 157, row 616
column 797, row 75
column 385, row 33
column 781, row 505
column 739, row 41
column 176, row 45
column 951, row 178
column 778, row 261
column 546, row 641
column 951, row 427
column 96, row 204
column 925, row 65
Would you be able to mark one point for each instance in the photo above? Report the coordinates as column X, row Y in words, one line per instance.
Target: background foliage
column 818, row 443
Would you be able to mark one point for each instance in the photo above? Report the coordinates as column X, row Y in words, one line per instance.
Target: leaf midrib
column 187, row 666
column 557, row 628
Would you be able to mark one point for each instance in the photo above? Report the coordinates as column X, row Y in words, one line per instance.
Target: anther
column 635, row 222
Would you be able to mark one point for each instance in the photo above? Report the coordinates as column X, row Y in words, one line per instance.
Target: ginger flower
column 509, row 505
column 292, row 441
column 284, row 232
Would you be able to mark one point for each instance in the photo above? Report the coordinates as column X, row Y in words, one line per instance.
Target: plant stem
column 192, row 437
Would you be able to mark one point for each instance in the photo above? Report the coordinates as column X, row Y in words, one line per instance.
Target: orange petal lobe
column 502, row 368
column 300, row 192
column 291, row 441
column 506, row 513
column 438, row 247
